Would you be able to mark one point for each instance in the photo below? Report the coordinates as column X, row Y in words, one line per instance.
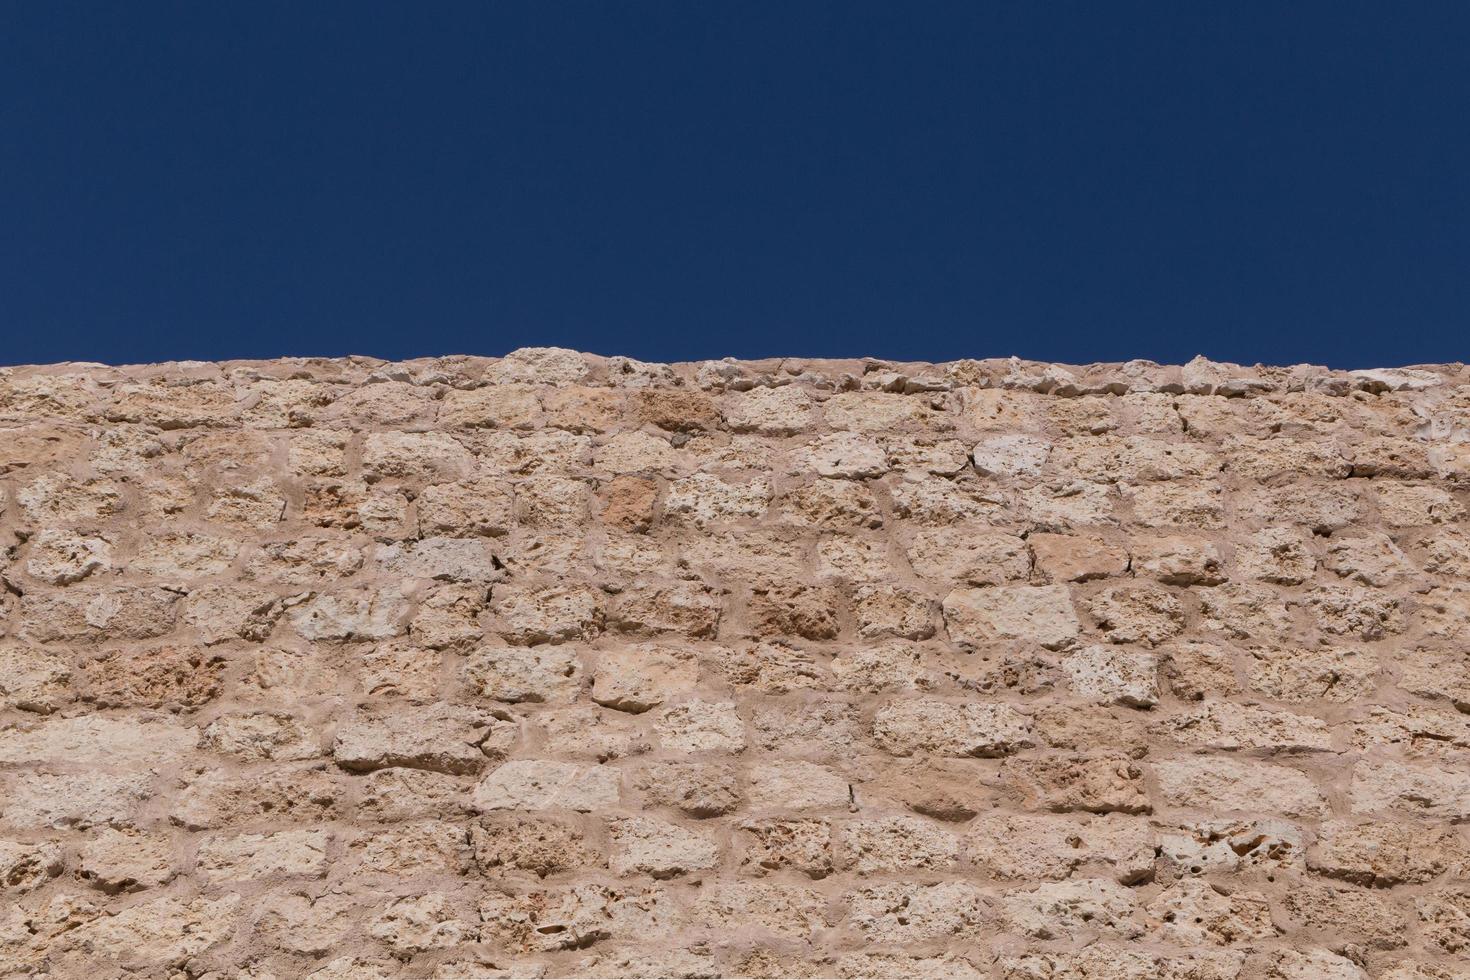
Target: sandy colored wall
column 559, row 665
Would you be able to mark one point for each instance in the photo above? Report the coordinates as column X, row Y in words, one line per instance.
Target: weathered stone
column 1222, row 785
column 528, row 784
column 538, row 845
column 516, row 674
column 1114, row 676
column 906, row 726
column 1034, row 614
column 444, row 738
column 639, row 845
column 286, row 853
column 642, row 676
column 1097, row 783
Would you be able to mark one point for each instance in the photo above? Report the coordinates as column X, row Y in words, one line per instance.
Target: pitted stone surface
column 565, row 665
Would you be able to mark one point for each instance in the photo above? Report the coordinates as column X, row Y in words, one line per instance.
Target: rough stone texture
column 565, row 665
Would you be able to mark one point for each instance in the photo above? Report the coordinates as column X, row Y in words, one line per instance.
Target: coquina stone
column 558, row 664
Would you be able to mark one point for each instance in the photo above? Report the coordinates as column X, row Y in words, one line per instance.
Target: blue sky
column 1069, row 181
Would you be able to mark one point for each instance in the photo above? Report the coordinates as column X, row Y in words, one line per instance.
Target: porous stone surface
column 561, row 665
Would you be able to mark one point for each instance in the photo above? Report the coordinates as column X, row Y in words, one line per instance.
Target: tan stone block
column 639, row 845
column 165, row 931
column 535, row 844
column 419, row 923
column 1364, row 614
column 794, row 609
column 1065, row 558
column 432, row 457
column 1414, row 505
column 1191, row 912
column 388, row 403
column 448, row 616
column 1197, row 670
column 883, row 412
column 841, row 454
column 900, row 914
column 114, row 613
column 1042, row 846
column 471, row 560
column 524, row 674
column 1034, row 614
column 25, row 867
column 1183, row 504
column 1209, row 846
column 424, row 847
column 399, row 793
column 1333, row 674
column 136, row 742
column 353, row 615
column 889, row 610
column 78, row 800
column 184, row 555
column 494, row 406
column 771, row 668
column 547, row 614
column 442, row 738
column 969, row 555
column 699, row 789
column 1246, row 612
column 761, row 910
column 642, row 676
column 466, row 508
column 1384, row 853
column 532, row 784
column 1223, row 725
column 586, row 730
column 1437, row 789
column 900, row 843
column 1218, row 784
column 834, row 505
column 676, row 411
column 1114, row 676
column 300, row 923
column 1103, row 782
column 211, row 797
column 159, row 677
column 255, row 506
column 933, row 501
column 630, row 503
column 1444, row 920
column 684, row 608
column 285, row 853
column 219, row 613
column 255, row 735
column 401, row 670
column 1068, row 909
column 308, row 561
column 697, row 725
column 904, row 727
column 1137, row 615
column 802, row 844
column 59, row 557
column 32, row 678
column 1438, row 674
column 574, row 916
column 1011, row 456
column 1336, row 915
column 769, row 411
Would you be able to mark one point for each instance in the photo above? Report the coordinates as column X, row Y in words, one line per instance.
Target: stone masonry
column 565, row 665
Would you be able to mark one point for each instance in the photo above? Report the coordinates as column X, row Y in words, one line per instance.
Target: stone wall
column 561, row 665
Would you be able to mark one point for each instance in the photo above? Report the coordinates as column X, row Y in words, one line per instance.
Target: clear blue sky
column 1071, row 181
